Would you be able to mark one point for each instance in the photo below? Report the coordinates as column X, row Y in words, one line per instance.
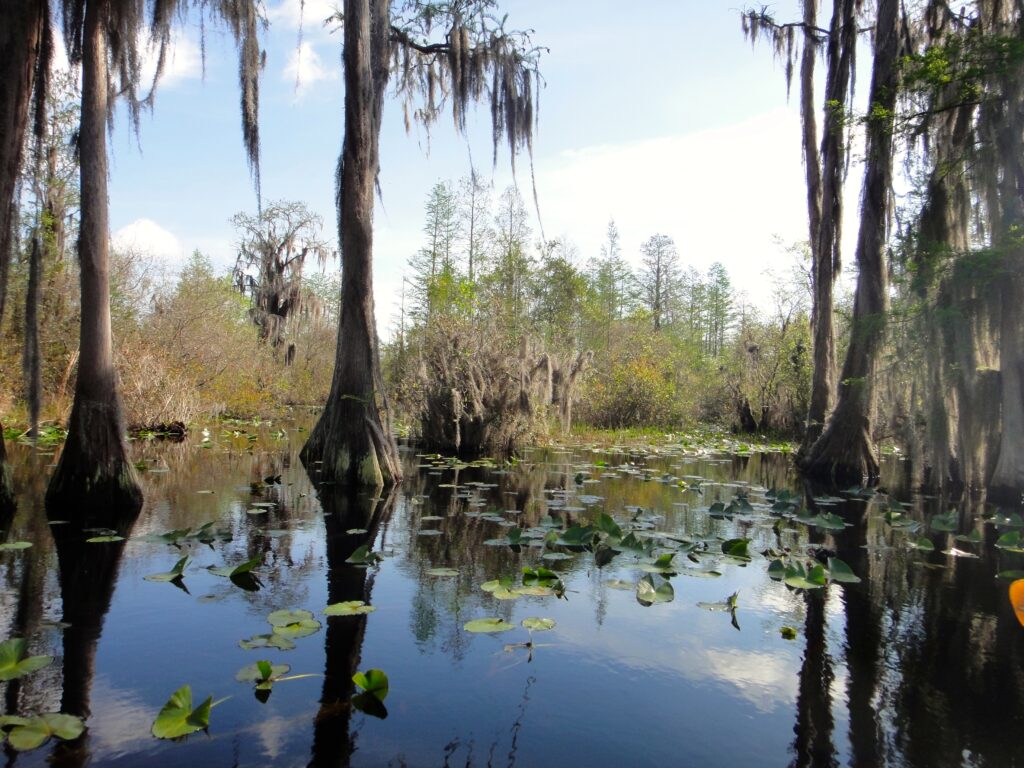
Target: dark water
column 921, row 663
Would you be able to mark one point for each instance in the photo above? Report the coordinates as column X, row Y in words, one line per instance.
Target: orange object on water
column 1017, row 599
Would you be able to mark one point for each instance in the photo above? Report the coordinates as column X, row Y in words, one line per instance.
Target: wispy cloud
column 305, row 68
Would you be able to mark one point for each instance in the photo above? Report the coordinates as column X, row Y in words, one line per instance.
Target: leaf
column 178, row 718
column 171, row 575
column 15, row 545
column 737, row 548
column 1010, row 575
column 948, row 522
column 273, row 640
column 14, row 663
column 788, row 633
column 232, row 571
column 777, row 570
column 799, row 578
column 373, row 682
column 535, row 624
column 34, row 732
column 104, row 539
column 489, row 625
column 442, row 572
column 370, row 705
column 840, row 571
column 261, row 671
column 363, row 556
column 648, row 594
column 1011, row 542
column 293, row 624
column 606, row 524
column 922, row 543
column 349, row 608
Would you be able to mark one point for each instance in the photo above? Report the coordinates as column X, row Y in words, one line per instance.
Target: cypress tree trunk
column 353, row 437
column 826, row 221
column 22, row 26
column 94, row 470
column 1007, row 481
column 845, row 452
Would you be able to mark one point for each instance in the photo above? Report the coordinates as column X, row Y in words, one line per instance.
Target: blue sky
column 661, row 117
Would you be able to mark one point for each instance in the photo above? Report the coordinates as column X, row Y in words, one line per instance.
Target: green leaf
column 922, row 543
column 15, row 545
column 349, row 608
column 648, row 594
column 488, row 625
column 535, row 624
column 442, row 572
column 273, row 640
column 737, row 548
column 30, row 733
column 606, row 524
column 777, row 570
column 261, row 671
column 373, row 682
column 1010, row 575
column 13, row 661
column 1011, row 542
column 800, row 578
column 171, row 575
column 948, row 522
column 788, row 633
column 293, row 624
column 231, row 571
column 363, row 556
column 104, row 539
column 840, row 571
column 178, row 717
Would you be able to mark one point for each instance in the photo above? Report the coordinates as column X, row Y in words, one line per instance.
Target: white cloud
column 310, row 14
column 183, row 61
column 305, row 69
column 148, row 238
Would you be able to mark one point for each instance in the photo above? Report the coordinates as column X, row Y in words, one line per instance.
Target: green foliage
column 14, row 662
column 179, row 718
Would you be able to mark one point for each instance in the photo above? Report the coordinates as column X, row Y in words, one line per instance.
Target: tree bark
column 845, row 452
column 94, row 470
column 353, row 438
column 825, row 205
column 22, row 27
column 1007, row 483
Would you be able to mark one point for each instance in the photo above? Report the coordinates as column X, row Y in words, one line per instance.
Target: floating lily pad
column 489, row 625
column 31, row 733
column 15, row 545
column 13, row 661
column 922, row 543
column 788, row 633
column 172, row 575
column 356, row 531
column 293, row 624
column 363, row 556
column 178, row 717
column 231, row 571
column 535, row 624
column 272, row 640
column 429, row 532
column 261, row 671
column 556, row 556
column 349, row 608
column 648, row 593
column 373, row 682
column 442, row 572
column 840, row 571
column 620, row 584
column 800, row 578
column 104, row 539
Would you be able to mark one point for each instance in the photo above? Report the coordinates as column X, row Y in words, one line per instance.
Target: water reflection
column 919, row 664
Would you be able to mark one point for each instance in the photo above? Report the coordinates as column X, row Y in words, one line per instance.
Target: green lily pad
column 31, row 733
column 922, row 543
column 489, row 625
column 737, row 548
column 104, row 539
column 535, row 624
column 178, row 717
column 620, row 584
column 261, row 671
column 293, row 624
column 373, row 682
column 230, row 571
column 647, row 593
column 442, row 572
column 1012, row 575
column 171, row 575
column 272, row 640
column 13, row 661
column 840, row 571
column 1011, row 542
column 788, row 633
column 800, row 578
column 15, row 545
column 363, row 556
column 555, row 556
column 349, row 608
column 534, row 590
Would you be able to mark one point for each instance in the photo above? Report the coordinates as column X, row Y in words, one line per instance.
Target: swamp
column 686, row 600
column 690, row 431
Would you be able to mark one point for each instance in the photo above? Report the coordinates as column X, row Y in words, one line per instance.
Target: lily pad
column 800, row 578
column 172, row 575
column 293, row 624
column 648, row 593
column 349, row 608
column 489, row 625
column 442, row 572
column 840, row 571
column 373, row 682
column 15, row 545
column 363, row 556
column 261, row 671
column 110, row 538
column 231, row 571
column 179, row 718
column 272, row 640
column 535, row 624
column 30, row 733
column 14, row 663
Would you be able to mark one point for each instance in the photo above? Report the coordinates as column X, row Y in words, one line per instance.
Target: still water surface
column 921, row 663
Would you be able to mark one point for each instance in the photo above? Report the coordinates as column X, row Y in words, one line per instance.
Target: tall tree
column 103, row 38
column 273, row 247
column 474, row 204
column 824, row 170
column 25, row 50
column 659, row 277
column 846, row 450
column 474, row 59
